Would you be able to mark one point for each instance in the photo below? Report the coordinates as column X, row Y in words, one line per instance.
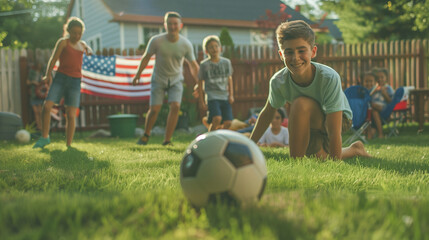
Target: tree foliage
column 31, row 23
column 366, row 20
column 227, row 42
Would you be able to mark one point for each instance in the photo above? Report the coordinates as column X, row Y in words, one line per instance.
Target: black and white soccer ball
column 223, row 165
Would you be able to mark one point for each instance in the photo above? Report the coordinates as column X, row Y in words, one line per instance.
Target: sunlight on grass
column 113, row 188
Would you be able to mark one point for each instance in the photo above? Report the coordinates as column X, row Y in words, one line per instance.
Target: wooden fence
column 10, row 89
column 405, row 60
column 254, row 66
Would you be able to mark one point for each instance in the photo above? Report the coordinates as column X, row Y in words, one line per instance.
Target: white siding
column 131, row 38
column 197, row 34
column 97, row 23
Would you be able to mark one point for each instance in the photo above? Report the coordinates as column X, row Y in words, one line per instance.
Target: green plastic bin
column 123, row 125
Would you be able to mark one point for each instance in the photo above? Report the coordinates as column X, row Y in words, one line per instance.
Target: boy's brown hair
column 293, row 30
column 209, row 39
column 172, row 14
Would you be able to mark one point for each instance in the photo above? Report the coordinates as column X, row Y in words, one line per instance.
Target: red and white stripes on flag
column 112, row 76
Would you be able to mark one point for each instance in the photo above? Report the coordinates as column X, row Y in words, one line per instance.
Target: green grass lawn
column 115, row 189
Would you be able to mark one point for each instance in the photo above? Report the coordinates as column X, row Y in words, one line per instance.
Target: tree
column 366, row 20
column 270, row 21
column 31, row 23
column 226, row 41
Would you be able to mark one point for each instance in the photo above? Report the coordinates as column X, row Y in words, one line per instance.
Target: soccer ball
column 23, row 136
column 223, row 165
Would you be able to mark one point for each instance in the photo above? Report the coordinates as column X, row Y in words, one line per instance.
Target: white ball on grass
column 23, row 136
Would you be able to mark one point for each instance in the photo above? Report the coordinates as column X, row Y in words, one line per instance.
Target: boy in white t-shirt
column 276, row 135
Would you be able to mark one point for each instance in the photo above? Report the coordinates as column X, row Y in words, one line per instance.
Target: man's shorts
column 158, row 90
column 319, row 138
column 67, row 87
column 219, row 108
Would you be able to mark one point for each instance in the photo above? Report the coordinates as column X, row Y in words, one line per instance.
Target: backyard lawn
column 114, row 189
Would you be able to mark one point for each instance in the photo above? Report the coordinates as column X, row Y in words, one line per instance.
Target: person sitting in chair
column 380, row 97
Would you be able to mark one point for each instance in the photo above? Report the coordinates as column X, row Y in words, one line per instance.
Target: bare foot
column 359, row 149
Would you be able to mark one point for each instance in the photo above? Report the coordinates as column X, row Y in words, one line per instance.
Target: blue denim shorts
column 219, row 108
column 158, row 90
column 67, row 87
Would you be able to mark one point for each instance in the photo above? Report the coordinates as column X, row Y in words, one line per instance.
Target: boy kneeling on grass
column 317, row 108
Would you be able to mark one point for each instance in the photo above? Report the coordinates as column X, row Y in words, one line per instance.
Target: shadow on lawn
column 259, row 218
column 73, row 160
column 157, row 147
column 404, row 168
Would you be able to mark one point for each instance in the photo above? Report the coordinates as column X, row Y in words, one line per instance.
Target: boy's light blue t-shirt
column 325, row 89
column 215, row 76
column 169, row 57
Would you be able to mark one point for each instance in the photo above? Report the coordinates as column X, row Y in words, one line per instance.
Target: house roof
column 333, row 29
column 228, row 13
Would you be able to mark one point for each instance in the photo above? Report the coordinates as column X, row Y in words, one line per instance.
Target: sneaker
column 42, row 142
column 143, row 140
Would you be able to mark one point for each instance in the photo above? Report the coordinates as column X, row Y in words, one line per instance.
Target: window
column 95, row 43
column 149, row 32
column 259, row 38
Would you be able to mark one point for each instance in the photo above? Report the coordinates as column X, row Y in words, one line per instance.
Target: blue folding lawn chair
column 359, row 99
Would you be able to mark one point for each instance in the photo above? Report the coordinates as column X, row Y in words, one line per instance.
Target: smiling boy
column 317, row 108
column 171, row 49
column 215, row 77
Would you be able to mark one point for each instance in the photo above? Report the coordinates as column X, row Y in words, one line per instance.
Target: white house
column 130, row 23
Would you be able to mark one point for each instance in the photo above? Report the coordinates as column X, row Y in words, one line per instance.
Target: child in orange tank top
column 66, row 84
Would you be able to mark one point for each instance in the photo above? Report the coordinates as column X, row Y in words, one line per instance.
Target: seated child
column 276, row 135
column 380, row 97
column 369, row 82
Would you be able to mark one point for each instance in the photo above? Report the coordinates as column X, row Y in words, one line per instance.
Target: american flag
column 112, row 76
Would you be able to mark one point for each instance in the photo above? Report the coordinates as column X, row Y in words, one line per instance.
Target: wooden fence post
column 422, row 67
column 23, row 72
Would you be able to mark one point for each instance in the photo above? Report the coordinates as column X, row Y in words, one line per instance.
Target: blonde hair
column 209, row 39
column 73, row 22
column 172, row 14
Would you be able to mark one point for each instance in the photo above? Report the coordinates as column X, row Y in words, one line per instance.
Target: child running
column 66, row 83
column 215, row 76
column 171, row 49
column 317, row 108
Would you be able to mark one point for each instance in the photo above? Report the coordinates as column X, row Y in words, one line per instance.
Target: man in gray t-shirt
column 170, row 49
